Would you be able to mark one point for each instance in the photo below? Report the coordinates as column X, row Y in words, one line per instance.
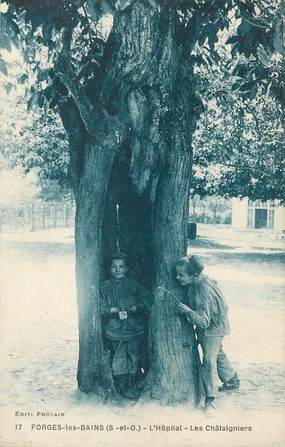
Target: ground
column 39, row 350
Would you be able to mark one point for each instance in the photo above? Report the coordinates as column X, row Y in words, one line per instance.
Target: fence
column 36, row 216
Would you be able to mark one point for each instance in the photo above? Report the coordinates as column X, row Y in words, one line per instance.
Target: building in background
column 248, row 214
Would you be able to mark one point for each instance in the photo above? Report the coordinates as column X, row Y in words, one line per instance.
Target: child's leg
column 225, row 369
column 119, row 363
column 120, row 357
column 211, row 347
column 126, row 358
column 128, row 362
column 134, row 346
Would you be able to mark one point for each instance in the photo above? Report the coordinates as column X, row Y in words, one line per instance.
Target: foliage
column 37, row 144
column 75, row 27
column 210, row 209
column 243, row 151
column 239, row 142
column 16, row 188
column 234, row 47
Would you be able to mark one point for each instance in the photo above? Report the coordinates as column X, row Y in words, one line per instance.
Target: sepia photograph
column 142, row 223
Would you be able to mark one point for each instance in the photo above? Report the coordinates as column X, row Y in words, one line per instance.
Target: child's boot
column 120, row 382
column 232, row 384
column 131, row 391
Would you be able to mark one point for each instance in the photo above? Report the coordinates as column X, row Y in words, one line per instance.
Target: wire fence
column 36, row 216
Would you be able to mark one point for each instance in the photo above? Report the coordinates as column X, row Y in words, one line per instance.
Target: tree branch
column 64, row 72
column 255, row 24
column 76, row 132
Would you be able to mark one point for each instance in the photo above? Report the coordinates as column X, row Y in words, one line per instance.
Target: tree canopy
column 234, row 46
column 75, row 33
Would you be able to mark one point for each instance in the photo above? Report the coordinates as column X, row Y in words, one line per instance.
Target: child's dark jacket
column 124, row 293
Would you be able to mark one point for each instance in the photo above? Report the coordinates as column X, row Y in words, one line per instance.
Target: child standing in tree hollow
column 124, row 306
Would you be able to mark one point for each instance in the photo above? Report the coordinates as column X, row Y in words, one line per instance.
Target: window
column 250, row 215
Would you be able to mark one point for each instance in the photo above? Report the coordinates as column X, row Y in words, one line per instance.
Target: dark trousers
column 126, row 356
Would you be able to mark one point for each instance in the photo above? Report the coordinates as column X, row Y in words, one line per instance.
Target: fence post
column 33, row 218
column 66, row 215
column 55, row 216
column 23, row 219
column 43, row 217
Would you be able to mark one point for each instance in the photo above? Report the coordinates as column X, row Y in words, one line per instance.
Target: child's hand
column 133, row 309
column 183, row 309
column 114, row 310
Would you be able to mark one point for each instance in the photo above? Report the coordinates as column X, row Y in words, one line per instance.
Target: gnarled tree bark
column 136, row 159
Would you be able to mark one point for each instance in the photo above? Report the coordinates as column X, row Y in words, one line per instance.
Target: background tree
column 33, row 140
column 238, row 144
column 128, row 101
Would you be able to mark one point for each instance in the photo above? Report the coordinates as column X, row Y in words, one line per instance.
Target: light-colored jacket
column 209, row 311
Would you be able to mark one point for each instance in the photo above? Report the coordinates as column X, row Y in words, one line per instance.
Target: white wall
column 279, row 219
column 239, row 213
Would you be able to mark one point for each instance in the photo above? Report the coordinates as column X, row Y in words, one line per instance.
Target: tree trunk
column 173, row 376
column 91, row 374
column 132, row 192
column 94, row 374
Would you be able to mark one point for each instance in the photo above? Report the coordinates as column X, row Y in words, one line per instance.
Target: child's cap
column 120, row 255
column 195, row 265
column 192, row 264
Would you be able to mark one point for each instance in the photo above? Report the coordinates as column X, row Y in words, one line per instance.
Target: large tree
column 128, row 102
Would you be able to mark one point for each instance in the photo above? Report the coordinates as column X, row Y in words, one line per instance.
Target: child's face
column 118, row 268
column 183, row 277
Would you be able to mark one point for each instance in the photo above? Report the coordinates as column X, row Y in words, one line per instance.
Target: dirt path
column 39, row 351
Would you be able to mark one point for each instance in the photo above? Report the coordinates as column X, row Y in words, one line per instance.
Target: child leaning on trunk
column 124, row 308
column 207, row 310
